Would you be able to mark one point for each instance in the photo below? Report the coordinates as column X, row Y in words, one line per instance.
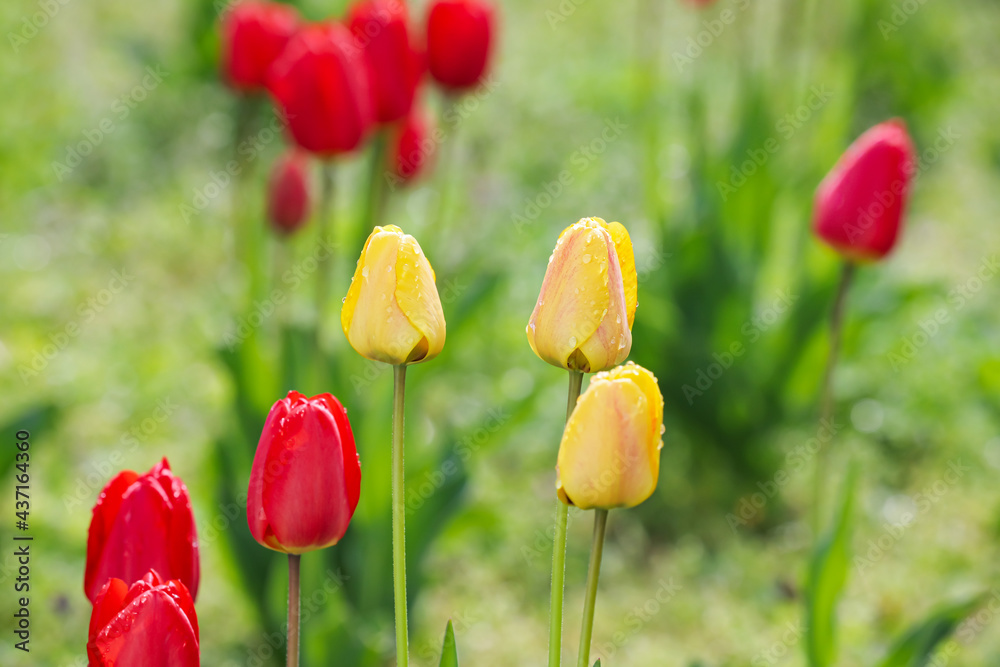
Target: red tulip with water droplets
column 150, row 623
column 860, row 204
column 142, row 522
column 306, row 477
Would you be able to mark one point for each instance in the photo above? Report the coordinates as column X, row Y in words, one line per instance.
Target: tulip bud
column 583, row 318
column 320, row 83
column 860, row 204
column 610, row 451
column 142, row 522
column 253, row 36
column 306, row 476
column 151, row 623
column 459, row 41
column 412, row 147
column 381, row 28
column 392, row 311
column 288, row 192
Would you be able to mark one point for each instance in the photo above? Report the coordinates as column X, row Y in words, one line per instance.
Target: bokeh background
column 120, row 307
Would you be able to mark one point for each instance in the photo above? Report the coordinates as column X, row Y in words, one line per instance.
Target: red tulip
column 142, row 522
column 459, row 39
column 151, row 623
column 320, row 82
column 413, row 146
column 860, row 204
column 381, row 29
column 306, row 477
column 253, row 36
column 288, row 192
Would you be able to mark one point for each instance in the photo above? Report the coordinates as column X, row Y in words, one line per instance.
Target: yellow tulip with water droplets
column 392, row 311
column 583, row 318
column 610, row 452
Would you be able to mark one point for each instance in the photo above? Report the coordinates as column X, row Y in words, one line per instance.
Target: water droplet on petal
column 586, row 259
column 364, row 271
column 572, row 341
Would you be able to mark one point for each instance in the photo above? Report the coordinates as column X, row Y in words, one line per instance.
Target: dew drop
column 364, row 271
column 572, row 341
column 586, row 259
column 618, row 320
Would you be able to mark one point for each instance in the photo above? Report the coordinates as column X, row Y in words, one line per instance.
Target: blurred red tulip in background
column 151, row 623
column 253, row 36
column 288, row 198
column 460, row 37
column 860, row 204
column 413, row 146
column 306, row 477
column 381, row 28
column 321, row 85
column 142, row 522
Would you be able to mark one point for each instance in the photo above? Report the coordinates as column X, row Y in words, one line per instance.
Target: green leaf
column 449, row 650
column 915, row 648
column 826, row 579
column 598, row 663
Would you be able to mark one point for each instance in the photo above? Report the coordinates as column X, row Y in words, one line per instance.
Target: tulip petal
column 139, row 539
column 417, row 295
column 152, row 631
column 256, row 517
column 304, row 499
column 581, row 321
column 107, row 603
column 182, row 534
column 352, row 463
column 104, row 513
column 609, row 454
column 626, row 261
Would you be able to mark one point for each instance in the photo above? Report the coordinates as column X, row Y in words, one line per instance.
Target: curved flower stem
column 593, row 574
column 826, row 395
column 559, row 548
column 293, row 610
column 399, row 517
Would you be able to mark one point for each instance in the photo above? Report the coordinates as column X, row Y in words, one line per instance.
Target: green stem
column 826, row 391
column 322, row 231
column 593, row 574
column 559, row 548
column 399, row 517
column 293, row 610
column 375, row 203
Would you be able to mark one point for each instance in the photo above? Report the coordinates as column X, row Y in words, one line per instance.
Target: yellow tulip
column 610, row 452
column 583, row 318
column 392, row 311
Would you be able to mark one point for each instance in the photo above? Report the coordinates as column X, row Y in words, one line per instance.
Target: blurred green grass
column 559, row 84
